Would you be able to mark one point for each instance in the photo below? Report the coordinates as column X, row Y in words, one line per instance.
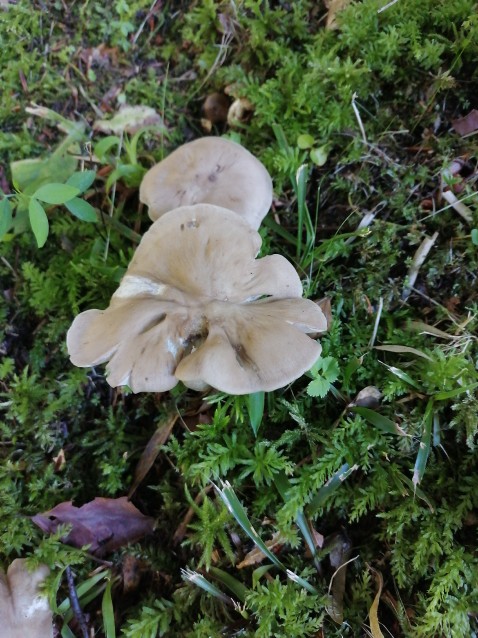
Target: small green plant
column 325, row 372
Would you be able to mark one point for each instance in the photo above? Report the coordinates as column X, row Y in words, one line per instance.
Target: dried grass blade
column 373, row 612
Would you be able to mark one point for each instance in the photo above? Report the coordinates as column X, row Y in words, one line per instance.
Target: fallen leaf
column 256, row 556
column 334, row 7
column 105, row 524
column 373, row 613
column 467, row 124
column 24, row 610
column 132, row 569
column 339, row 555
column 151, row 451
column 129, row 119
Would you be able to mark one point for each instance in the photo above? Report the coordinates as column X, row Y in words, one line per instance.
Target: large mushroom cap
column 197, row 307
column 210, row 170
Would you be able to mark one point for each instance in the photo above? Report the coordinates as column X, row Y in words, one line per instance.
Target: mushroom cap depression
column 197, row 308
column 210, row 170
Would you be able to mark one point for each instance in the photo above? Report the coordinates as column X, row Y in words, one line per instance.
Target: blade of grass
column 203, row 583
column 329, row 488
column 425, row 444
column 233, row 504
column 378, row 420
column 255, row 408
column 108, row 612
column 440, row 396
column 300, row 581
column 282, row 484
column 237, row 588
column 402, row 375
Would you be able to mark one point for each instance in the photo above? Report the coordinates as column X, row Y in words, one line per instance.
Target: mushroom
column 197, row 308
column 24, row 608
column 210, row 170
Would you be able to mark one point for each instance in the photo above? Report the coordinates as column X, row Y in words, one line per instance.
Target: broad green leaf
column 319, row 155
column 81, row 209
column 330, row 368
column 305, row 141
column 255, row 408
column 56, row 193
column 474, row 236
column 318, row 387
column 29, row 174
column 131, row 174
column 82, row 180
column 6, row 218
column 38, row 221
column 105, row 145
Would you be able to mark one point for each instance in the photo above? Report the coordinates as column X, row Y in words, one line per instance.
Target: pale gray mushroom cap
column 210, row 170
column 196, row 307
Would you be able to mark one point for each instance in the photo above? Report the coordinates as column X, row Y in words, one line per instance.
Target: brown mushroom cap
column 210, row 170
column 195, row 307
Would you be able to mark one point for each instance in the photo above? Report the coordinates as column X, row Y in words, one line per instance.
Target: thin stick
column 113, row 196
column 142, row 25
column 377, row 321
column 75, row 603
column 458, row 205
column 359, row 119
column 418, row 260
column 387, row 6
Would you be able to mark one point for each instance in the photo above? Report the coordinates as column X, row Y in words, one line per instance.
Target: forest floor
column 344, row 504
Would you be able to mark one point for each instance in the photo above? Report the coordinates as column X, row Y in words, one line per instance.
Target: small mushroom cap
column 210, row 170
column 197, row 308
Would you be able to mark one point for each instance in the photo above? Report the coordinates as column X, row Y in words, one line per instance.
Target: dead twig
column 418, row 260
column 75, row 603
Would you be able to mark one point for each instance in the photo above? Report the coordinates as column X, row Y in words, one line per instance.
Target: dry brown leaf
column 24, row 610
column 255, row 556
column 129, row 119
column 339, row 556
column 373, row 613
column 105, row 524
column 151, row 451
column 467, row 124
column 334, row 7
